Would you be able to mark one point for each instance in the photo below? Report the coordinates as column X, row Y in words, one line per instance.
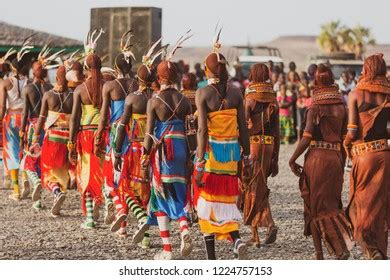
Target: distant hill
column 295, row 48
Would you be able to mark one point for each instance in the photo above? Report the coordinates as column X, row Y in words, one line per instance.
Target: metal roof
column 13, row 36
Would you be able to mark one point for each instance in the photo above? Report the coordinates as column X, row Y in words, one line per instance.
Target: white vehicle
column 246, row 56
column 339, row 63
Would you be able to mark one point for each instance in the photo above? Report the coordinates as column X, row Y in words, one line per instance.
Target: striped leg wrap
column 89, row 206
column 137, row 210
column 163, row 225
column 183, row 225
column 33, row 178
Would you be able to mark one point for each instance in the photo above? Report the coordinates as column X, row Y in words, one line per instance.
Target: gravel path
column 28, row 234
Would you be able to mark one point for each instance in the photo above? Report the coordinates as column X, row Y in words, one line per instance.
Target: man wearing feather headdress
column 33, row 94
column 85, row 117
column 221, row 131
column 11, row 111
column 166, row 149
column 128, row 145
column 114, row 94
column 54, row 119
column 5, row 70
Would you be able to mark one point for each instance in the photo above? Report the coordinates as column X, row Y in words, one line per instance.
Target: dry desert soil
column 28, row 234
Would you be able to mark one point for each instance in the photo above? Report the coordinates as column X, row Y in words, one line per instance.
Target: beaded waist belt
column 325, row 145
column 89, row 127
column 372, row 146
column 262, row 139
column 136, row 139
column 59, row 127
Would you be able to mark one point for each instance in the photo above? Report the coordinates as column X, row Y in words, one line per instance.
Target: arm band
column 307, row 134
column 352, row 126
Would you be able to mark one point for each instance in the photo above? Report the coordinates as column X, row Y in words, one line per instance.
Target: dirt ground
column 28, row 234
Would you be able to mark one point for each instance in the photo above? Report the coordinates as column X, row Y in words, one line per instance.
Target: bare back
column 171, row 104
column 33, row 97
column 59, row 102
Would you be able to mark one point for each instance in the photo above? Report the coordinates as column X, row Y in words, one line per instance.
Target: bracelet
column 70, row 146
column 117, row 154
column 42, row 116
column 199, row 166
column 35, row 138
column 144, row 157
column 307, row 134
column 98, row 140
column 199, row 169
column 245, row 157
column 247, row 160
column 352, row 129
column 122, row 124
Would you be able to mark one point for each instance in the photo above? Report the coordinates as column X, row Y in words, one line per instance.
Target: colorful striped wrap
column 11, row 139
column 89, row 167
column 54, row 157
column 132, row 182
column 168, row 162
column 111, row 176
column 217, row 210
column 31, row 162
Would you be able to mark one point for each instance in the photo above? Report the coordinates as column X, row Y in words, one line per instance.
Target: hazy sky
column 256, row 20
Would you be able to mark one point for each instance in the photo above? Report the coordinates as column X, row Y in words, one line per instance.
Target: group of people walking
column 139, row 146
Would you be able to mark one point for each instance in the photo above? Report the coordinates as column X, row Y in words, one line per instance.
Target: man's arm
column 106, row 94
column 74, row 123
column 242, row 128
column 42, row 115
column 3, row 98
column 202, row 124
column 151, row 118
column 125, row 119
column 26, row 108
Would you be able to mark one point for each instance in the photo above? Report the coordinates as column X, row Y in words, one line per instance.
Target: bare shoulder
column 78, row 90
column 234, row 91
column 108, row 85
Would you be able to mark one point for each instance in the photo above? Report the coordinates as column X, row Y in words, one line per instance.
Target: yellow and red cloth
column 216, row 205
column 54, row 157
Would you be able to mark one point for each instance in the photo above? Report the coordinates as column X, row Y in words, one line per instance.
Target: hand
column 35, row 149
column 199, row 178
column 145, row 163
column 144, row 168
column 118, row 164
column 72, row 156
column 295, row 168
column 190, row 166
column 347, row 148
column 274, row 168
column 98, row 151
column 21, row 144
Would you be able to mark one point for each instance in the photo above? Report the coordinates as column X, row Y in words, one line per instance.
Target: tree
column 328, row 38
column 362, row 37
column 335, row 37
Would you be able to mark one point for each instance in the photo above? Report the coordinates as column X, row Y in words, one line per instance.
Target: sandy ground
column 28, row 234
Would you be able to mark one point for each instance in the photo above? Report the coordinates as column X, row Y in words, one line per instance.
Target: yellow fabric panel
column 90, row 115
column 141, row 123
column 213, row 166
column 223, row 124
column 221, row 232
